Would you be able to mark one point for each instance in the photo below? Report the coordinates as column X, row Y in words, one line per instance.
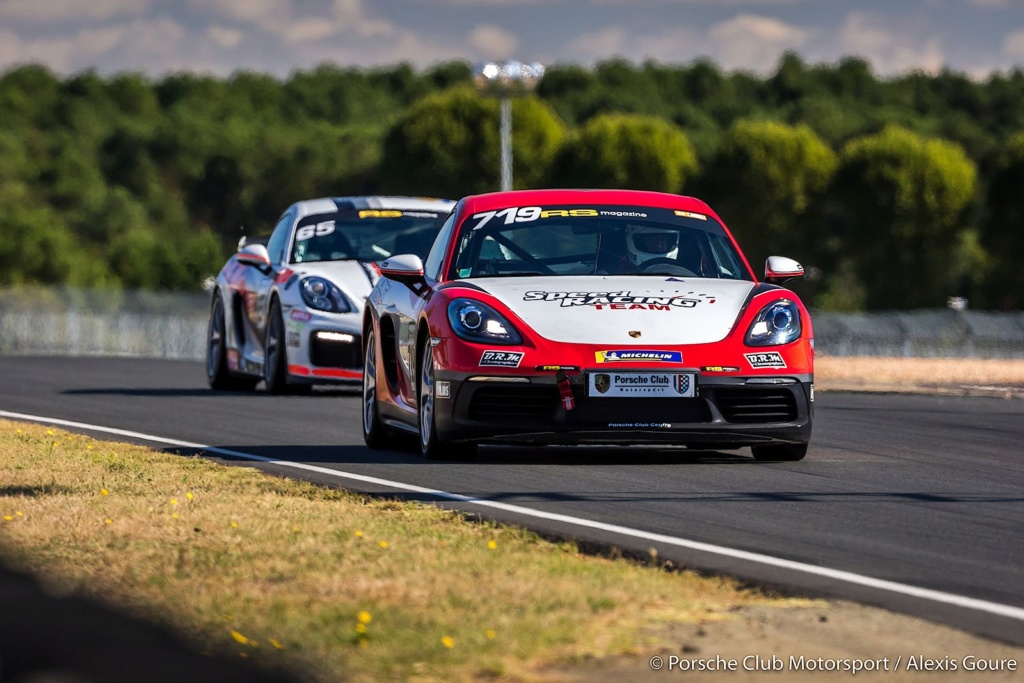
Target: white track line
column 836, row 574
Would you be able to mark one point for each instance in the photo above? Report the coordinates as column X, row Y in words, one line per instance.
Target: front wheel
column 375, row 434
column 431, row 445
column 789, row 452
column 275, row 356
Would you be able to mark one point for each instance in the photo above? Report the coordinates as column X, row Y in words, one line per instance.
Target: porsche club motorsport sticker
column 638, row 355
column 623, row 300
column 501, row 359
column 772, row 359
column 642, row 384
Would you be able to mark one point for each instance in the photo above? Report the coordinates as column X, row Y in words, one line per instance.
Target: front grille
column 756, row 405
column 514, row 403
column 332, row 353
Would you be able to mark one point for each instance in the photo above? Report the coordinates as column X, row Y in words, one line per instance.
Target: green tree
column 1003, row 231
column 626, row 151
column 447, row 145
column 901, row 203
column 765, row 182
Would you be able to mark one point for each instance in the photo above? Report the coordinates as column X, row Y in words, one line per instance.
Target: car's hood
column 354, row 278
column 635, row 310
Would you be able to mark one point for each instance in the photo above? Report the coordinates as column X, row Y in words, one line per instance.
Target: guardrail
column 68, row 322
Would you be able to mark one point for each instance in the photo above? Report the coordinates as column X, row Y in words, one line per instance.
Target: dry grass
column 915, row 374
column 290, row 573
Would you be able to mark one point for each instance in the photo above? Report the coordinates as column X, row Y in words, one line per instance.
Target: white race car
column 287, row 310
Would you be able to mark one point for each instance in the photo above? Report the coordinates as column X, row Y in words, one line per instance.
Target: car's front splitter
column 725, row 412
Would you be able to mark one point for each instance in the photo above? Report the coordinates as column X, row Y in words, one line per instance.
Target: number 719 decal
column 526, row 214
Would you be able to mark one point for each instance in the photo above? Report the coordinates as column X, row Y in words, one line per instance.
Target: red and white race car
column 587, row 316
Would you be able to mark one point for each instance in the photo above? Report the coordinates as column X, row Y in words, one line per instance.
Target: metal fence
column 68, row 322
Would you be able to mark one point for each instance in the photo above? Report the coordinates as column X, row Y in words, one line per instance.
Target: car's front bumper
column 727, row 412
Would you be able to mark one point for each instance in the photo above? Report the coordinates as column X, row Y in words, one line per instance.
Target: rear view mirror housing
column 406, row 268
column 779, row 269
column 254, row 255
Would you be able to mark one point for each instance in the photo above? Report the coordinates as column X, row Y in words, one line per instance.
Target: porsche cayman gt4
column 587, row 317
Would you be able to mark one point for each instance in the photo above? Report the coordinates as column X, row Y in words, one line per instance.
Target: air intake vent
column 333, row 350
column 745, row 406
column 514, row 403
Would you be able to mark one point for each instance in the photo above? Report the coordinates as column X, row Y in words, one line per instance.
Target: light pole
column 507, row 80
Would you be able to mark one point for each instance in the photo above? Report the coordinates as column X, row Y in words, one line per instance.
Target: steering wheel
column 665, row 266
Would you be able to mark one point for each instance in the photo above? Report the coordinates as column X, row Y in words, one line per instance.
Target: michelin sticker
column 501, row 359
column 638, row 355
column 772, row 359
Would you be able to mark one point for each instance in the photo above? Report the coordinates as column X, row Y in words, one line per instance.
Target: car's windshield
column 594, row 240
column 365, row 235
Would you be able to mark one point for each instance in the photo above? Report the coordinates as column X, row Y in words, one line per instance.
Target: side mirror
column 778, row 269
column 406, row 268
column 254, row 255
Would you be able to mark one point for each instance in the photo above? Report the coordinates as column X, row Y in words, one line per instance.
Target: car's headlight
column 476, row 321
column 323, row 295
column 777, row 323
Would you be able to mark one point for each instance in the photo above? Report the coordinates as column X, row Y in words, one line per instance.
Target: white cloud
column 1013, row 45
column 267, row 14
column 990, row 4
column 891, row 48
column 753, row 42
column 62, row 10
column 308, row 29
column 597, row 45
column 224, row 36
column 491, row 42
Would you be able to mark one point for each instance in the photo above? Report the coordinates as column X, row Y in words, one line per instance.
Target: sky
column 281, row 36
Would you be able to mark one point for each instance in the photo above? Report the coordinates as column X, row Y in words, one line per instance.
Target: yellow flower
column 275, row 644
column 18, row 514
column 108, row 520
column 88, row 448
column 359, row 534
column 174, row 515
column 448, row 642
column 174, row 501
column 55, row 444
column 295, row 529
column 104, row 492
column 19, row 431
column 8, row 518
column 49, row 432
column 365, row 617
column 492, row 544
column 384, row 544
column 360, row 628
column 491, row 634
column 234, row 525
column 189, row 495
column 239, row 638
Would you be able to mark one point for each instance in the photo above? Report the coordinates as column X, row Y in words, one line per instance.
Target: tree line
column 894, row 193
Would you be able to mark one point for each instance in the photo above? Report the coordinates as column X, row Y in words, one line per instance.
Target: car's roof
column 662, row 200
column 332, row 204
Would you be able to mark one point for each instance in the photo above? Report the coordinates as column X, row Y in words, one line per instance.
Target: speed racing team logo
column 641, row 355
column 624, row 300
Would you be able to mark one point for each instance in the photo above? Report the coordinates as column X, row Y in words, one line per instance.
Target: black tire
column 375, row 434
column 275, row 356
column 217, row 372
column 431, row 446
column 789, row 452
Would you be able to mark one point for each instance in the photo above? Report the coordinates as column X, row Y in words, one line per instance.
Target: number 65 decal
column 318, row 230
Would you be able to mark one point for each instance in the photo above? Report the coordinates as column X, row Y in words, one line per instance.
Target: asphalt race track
column 923, row 491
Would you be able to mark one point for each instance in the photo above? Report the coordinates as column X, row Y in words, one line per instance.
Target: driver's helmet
column 644, row 243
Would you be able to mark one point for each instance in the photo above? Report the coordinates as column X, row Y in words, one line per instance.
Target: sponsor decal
column 688, row 214
column 378, row 213
column 420, row 214
column 719, row 368
column 501, row 359
column 772, row 359
column 635, row 334
column 624, row 214
column 294, row 339
column 642, row 384
column 300, row 315
column 812, row 393
column 556, row 368
column 527, row 214
column 443, row 389
column 622, row 300
column 640, row 425
column 638, row 355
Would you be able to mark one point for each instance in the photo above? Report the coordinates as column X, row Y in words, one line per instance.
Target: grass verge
column 920, row 375
column 334, row 584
